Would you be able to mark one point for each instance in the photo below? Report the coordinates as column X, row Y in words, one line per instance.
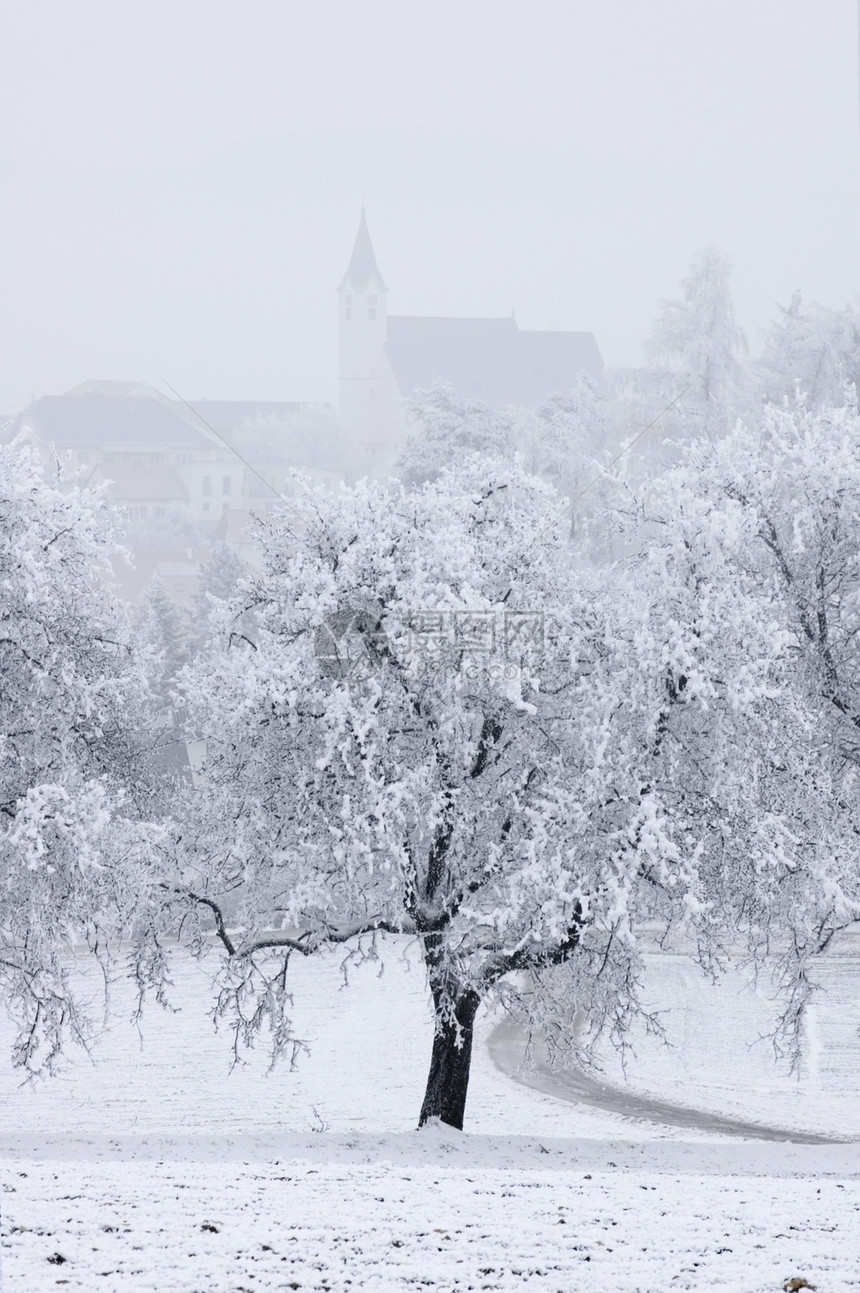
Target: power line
column 234, row 450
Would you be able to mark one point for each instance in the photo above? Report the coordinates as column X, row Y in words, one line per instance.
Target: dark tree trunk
column 448, row 1082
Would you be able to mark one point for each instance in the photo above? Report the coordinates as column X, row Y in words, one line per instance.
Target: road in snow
column 154, row 1169
column 719, row 1063
column 507, row 1047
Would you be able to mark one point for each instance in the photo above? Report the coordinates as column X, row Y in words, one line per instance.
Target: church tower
column 369, row 397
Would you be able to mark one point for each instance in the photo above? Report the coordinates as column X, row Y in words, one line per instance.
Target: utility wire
column 234, row 450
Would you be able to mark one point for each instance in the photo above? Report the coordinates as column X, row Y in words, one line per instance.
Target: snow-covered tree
column 220, row 575
column 765, row 524
column 168, row 630
column 698, row 339
column 796, row 478
column 72, row 794
column 440, row 729
column 812, row 351
column 310, row 436
column 219, row 578
column 442, row 427
column 567, row 440
column 570, row 441
column 172, row 633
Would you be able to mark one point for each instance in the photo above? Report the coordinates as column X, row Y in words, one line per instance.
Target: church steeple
column 369, row 398
column 362, row 267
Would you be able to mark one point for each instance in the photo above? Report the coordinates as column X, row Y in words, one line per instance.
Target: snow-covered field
column 152, row 1169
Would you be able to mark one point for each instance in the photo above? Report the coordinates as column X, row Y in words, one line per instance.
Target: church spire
column 362, row 266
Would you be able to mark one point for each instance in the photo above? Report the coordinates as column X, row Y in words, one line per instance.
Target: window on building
column 206, row 507
column 227, row 485
column 371, row 307
column 207, row 484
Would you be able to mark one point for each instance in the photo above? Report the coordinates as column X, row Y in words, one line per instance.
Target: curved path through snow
column 506, row 1045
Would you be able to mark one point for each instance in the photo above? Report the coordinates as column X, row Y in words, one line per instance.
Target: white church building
column 386, row 358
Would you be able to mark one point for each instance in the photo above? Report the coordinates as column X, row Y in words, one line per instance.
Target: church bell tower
column 369, row 398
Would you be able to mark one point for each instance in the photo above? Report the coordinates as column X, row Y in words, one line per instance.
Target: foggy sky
column 181, row 180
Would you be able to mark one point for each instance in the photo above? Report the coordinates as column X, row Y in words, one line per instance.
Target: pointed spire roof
column 362, row 263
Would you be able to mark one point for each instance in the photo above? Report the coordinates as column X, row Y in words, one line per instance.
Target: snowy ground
column 152, row 1169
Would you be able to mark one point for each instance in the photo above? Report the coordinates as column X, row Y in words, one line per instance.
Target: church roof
column 488, row 359
column 362, row 267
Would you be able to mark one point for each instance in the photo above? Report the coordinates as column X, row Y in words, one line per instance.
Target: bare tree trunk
column 448, row 1081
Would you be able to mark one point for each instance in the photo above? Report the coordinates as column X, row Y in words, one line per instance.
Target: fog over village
column 429, row 675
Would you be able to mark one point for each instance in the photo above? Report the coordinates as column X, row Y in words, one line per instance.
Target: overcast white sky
column 181, row 180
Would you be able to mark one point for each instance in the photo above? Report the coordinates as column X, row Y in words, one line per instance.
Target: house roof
column 362, row 267
column 114, row 422
column 488, row 359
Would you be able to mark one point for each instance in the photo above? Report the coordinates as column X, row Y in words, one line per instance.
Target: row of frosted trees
column 429, row 715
